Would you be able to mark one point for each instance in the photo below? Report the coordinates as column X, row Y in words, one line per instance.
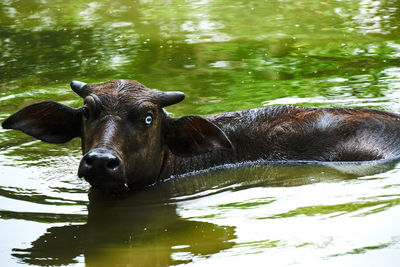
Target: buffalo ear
column 48, row 121
column 193, row 135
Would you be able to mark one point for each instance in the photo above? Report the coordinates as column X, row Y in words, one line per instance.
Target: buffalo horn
column 80, row 88
column 165, row 99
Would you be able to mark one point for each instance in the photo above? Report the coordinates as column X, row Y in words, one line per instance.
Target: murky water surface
column 225, row 55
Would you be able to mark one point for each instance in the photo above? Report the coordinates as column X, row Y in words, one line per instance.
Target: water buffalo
column 129, row 141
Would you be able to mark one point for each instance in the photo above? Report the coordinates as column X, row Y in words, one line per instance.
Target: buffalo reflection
column 140, row 230
column 144, row 229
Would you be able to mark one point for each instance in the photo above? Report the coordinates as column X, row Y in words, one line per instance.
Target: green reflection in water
column 365, row 249
column 31, row 196
column 345, row 208
column 42, row 217
column 212, row 51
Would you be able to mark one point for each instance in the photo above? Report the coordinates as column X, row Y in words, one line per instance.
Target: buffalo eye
column 85, row 113
column 148, row 120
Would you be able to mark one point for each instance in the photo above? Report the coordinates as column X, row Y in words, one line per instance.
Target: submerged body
column 294, row 133
column 129, row 141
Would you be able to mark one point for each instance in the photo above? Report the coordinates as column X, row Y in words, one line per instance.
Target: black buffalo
column 129, row 141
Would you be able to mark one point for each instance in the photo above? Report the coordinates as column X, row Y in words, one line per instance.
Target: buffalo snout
column 102, row 168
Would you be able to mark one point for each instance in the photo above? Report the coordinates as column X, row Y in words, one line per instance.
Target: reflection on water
column 192, row 218
column 139, row 230
column 225, row 56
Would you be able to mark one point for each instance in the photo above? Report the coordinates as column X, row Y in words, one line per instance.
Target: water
column 225, row 56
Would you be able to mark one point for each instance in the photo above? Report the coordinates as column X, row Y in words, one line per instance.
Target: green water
column 224, row 55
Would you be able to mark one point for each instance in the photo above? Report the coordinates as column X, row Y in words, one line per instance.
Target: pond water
column 225, row 55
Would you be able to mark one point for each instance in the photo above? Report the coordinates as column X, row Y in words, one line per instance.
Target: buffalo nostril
column 113, row 163
column 101, row 165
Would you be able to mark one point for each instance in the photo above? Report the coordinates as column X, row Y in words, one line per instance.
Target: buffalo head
column 127, row 136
